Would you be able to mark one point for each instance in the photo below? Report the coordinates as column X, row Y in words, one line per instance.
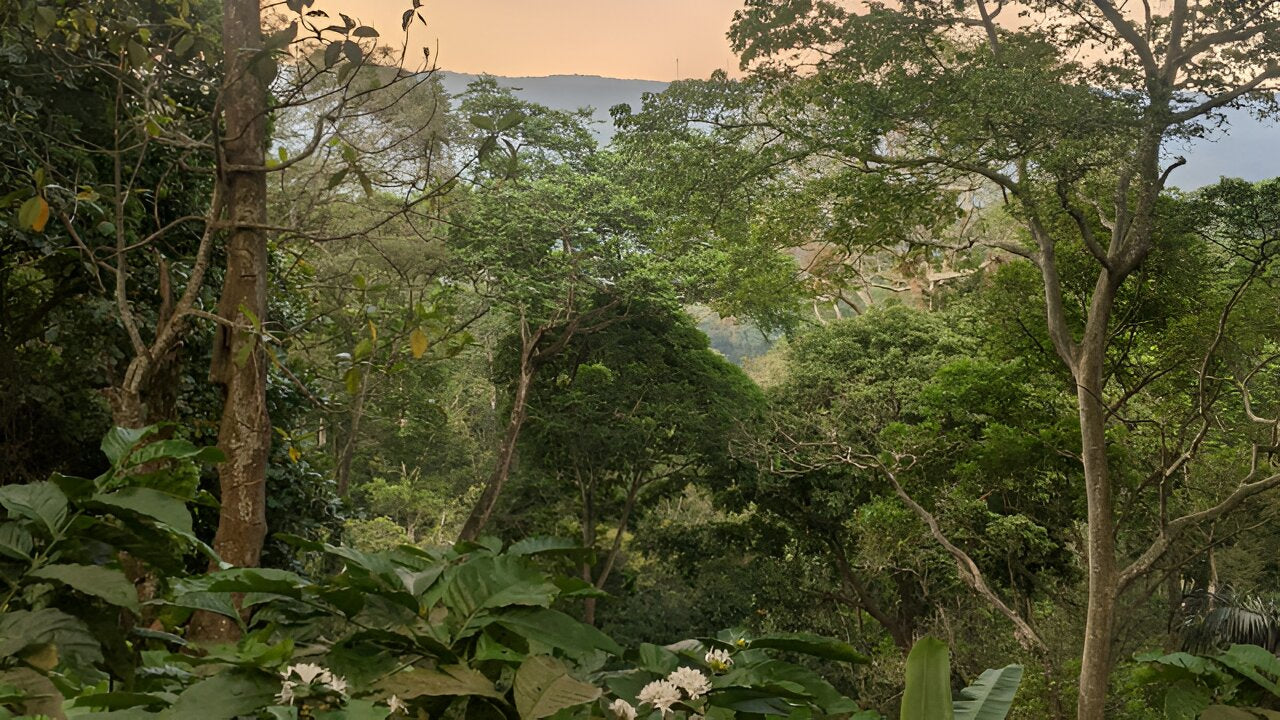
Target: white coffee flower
column 396, row 705
column 285, row 696
column 719, row 660
column 661, row 694
column 622, row 710
column 306, row 672
column 338, row 684
column 693, row 682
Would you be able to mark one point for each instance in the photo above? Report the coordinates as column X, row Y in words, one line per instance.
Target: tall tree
column 931, row 96
column 630, row 414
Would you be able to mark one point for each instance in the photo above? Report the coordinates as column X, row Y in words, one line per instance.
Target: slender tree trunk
column 347, row 450
column 589, row 542
column 483, row 509
column 239, row 362
column 1099, row 634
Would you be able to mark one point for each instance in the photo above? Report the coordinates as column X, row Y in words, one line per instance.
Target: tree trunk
column 1095, row 661
column 483, row 509
column 347, row 450
column 239, row 362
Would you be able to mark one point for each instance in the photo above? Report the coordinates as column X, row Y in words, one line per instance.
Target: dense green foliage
column 970, row 328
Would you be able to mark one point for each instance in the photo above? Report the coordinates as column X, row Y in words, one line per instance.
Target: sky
column 640, row 39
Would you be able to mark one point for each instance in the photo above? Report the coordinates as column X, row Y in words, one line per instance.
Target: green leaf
column 1252, row 662
column 1185, row 701
column 225, row 696
column 557, row 630
column 356, row 710
column 484, row 123
column 15, row 541
column 492, row 582
column 790, row 681
column 508, row 121
column 364, row 31
column 265, row 580
column 100, row 582
column 657, row 659
column 353, row 52
column 20, row 629
column 544, row 687
column 807, row 644
column 928, row 691
column 119, row 441
column 444, row 680
column 41, row 501
column 1224, row 712
column 351, row 380
column 544, row 545
column 162, row 507
column 990, row 696
column 138, row 56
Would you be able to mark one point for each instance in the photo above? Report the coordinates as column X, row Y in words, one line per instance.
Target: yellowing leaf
column 294, row 454
column 418, row 343
column 34, row 214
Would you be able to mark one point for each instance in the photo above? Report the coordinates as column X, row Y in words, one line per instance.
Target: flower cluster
column 307, row 680
column 719, row 660
column 681, row 684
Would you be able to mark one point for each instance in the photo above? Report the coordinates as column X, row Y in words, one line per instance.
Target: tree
column 549, row 238
column 628, row 414
column 934, row 95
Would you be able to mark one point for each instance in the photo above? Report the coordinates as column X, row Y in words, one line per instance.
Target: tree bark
column 239, row 362
column 483, row 509
column 1099, row 633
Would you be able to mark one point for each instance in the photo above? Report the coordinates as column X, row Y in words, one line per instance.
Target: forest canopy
column 328, row 394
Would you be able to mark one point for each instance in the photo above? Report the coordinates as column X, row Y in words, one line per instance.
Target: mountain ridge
column 1241, row 152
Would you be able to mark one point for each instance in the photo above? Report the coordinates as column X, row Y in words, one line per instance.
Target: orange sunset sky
column 614, row 38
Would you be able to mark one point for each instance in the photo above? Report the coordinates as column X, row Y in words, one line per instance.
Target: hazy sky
column 614, row 38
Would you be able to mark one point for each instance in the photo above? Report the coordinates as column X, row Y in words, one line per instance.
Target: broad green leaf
column 40, row 501
column 1185, row 701
column 990, row 696
column 544, row 545
column 807, row 644
column 444, row 680
column 154, row 504
column 789, row 680
column 100, row 582
column 15, row 541
column 557, row 630
column 119, row 700
column 493, row 582
column 245, row 580
column 119, row 441
column 1255, row 663
column 225, row 696
column 657, row 659
column 220, row 603
column 20, row 629
column 544, row 687
column 1224, row 712
column 356, row 710
column 927, row 695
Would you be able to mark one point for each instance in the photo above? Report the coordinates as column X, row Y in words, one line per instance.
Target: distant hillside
column 569, row 92
column 1250, row 149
